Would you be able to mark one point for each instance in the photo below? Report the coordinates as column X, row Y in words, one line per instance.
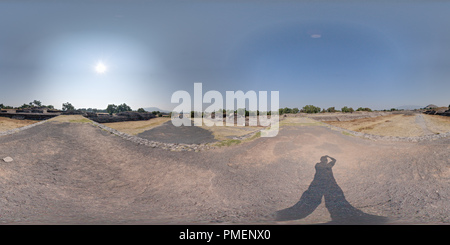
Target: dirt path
column 437, row 124
column 76, row 173
column 421, row 122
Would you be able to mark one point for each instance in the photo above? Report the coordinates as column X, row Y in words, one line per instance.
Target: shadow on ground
column 324, row 185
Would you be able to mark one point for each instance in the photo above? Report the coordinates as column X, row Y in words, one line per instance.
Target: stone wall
column 29, row 116
column 441, row 112
column 119, row 117
column 339, row 116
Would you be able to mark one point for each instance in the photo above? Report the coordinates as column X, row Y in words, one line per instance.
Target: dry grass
column 391, row 125
column 224, row 133
column 70, row 118
column 437, row 124
column 8, row 123
column 299, row 121
column 137, row 127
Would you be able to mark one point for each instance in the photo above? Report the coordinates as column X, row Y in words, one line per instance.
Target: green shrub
column 311, row 109
column 363, row 109
column 331, row 109
column 346, row 109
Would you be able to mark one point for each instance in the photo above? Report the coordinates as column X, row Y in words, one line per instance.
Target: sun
column 100, row 68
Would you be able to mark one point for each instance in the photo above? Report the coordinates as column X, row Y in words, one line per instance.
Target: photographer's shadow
column 324, row 185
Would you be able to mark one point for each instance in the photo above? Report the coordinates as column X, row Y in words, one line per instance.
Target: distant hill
column 150, row 109
column 409, row 107
column 431, row 106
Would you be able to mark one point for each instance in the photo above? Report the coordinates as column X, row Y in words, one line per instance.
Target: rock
column 7, row 159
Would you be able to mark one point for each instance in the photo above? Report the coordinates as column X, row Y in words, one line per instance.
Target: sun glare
column 100, row 68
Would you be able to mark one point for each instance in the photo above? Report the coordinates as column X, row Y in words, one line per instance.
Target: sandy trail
column 421, row 122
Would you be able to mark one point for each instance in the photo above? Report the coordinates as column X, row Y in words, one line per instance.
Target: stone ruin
column 441, row 112
column 43, row 114
column 119, row 117
column 340, row 116
column 34, row 113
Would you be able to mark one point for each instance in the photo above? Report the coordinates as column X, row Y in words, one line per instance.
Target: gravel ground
column 421, row 122
column 77, row 173
column 168, row 133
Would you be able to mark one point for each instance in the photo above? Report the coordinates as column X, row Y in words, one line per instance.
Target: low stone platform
column 29, row 116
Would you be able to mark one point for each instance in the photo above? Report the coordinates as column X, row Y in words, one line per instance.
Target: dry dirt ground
column 437, row 124
column 72, row 172
column 398, row 125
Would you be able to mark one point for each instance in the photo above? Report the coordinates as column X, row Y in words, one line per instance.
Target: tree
column 240, row 111
column 331, row 109
column 193, row 113
column 346, row 109
column 280, row 111
column 286, row 110
column 295, row 110
column 311, row 109
column 111, row 109
column 67, row 107
column 363, row 109
column 24, row 106
column 141, row 110
column 123, row 107
column 37, row 103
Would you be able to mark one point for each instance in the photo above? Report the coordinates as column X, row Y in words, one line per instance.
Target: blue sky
column 376, row 54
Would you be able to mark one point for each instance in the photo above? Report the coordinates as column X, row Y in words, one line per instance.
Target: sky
column 376, row 54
